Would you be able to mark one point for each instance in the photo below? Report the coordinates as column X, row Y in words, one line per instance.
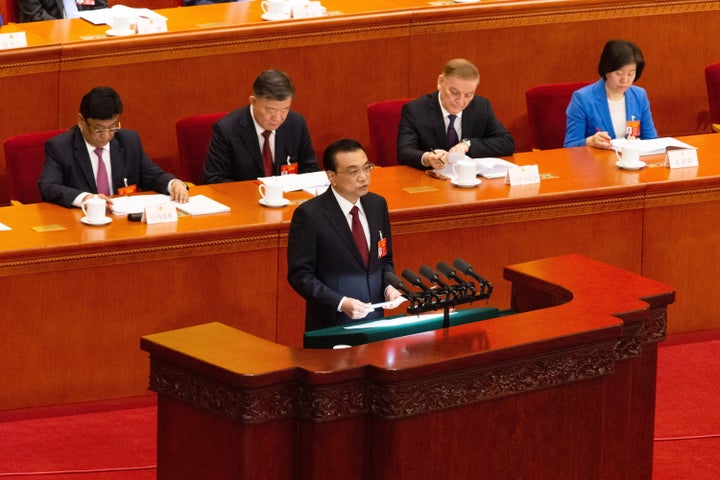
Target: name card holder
column 677, row 157
column 523, row 175
column 164, row 212
column 12, row 40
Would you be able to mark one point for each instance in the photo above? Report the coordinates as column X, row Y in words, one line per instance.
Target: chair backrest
column 9, row 11
column 193, row 137
column 546, row 105
column 712, row 78
column 24, row 157
column 384, row 120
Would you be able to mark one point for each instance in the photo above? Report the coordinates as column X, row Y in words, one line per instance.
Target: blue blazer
column 324, row 263
column 67, row 171
column 588, row 113
column 234, row 152
column 422, row 128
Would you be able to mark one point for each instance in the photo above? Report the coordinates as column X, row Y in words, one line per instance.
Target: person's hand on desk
column 179, row 191
column 436, row 159
column 355, row 309
column 107, row 199
column 461, row 147
column 599, row 140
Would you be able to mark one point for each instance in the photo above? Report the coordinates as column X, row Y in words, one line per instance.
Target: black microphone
column 428, row 273
column 393, row 280
column 411, row 277
column 467, row 269
column 447, row 270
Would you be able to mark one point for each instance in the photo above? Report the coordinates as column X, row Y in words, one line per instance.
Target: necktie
column 452, row 138
column 267, row 154
column 102, row 177
column 359, row 235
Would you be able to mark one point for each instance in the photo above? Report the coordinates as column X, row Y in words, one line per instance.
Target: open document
column 654, row 146
column 487, row 167
column 316, row 182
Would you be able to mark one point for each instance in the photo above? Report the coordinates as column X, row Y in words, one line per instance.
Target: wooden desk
column 564, row 392
column 211, row 55
column 232, row 267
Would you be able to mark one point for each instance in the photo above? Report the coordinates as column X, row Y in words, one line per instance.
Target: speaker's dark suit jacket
column 35, row 10
column 234, row 152
column 324, row 263
column 422, row 128
column 67, row 171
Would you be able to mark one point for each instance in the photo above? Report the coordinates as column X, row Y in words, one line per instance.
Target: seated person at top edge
column 263, row 138
column 425, row 139
column 36, row 10
column 96, row 156
column 612, row 107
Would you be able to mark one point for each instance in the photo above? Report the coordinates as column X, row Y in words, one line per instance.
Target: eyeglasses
column 99, row 131
column 355, row 172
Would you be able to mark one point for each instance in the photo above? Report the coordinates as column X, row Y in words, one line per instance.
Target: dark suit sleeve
column 307, row 161
column 302, row 255
column 492, row 139
column 151, row 176
column 53, row 174
column 219, row 157
column 410, row 144
column 37, row 10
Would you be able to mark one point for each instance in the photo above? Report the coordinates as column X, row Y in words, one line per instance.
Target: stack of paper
column 201, row 205
column 655, row 146
column 136, row 203
column 487, row 167
column 312, row 181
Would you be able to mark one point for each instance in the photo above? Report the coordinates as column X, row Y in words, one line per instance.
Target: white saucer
column 119, row 33
column 465, row 185
column 284, row 16
column 635, row 166
column 284, row 202
column 104, row 221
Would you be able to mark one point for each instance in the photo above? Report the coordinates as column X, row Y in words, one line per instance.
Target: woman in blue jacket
column 612, row 107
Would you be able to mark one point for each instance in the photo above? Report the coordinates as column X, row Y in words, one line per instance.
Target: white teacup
column 94, row 209
column 465, row 172
column 121, row 21
column 273, row 8
column 271, row 194
column 630, row 156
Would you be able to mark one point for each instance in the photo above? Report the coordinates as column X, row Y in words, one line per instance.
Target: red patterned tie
column 102, row 177
column 267, row 154
column 359, row 235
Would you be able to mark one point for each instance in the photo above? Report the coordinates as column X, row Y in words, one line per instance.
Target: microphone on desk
column 431, row 275
column 393, row 280
column 467, row 269
column 412, row 277
column 448, row 271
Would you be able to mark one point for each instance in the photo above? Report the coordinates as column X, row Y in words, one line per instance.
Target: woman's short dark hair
column 339, row 146
column 617, row 54
column 101, row 103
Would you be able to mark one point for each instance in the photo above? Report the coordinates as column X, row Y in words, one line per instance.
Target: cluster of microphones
column 443, row 294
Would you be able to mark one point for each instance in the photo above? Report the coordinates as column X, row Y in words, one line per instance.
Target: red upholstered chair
column 712, row 78
column 24, row 157
column 546, row 105
column 9, row 11
column 193, row 137
column 384, row 120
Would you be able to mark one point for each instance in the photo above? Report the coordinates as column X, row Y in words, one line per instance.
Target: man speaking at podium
column 340, row 246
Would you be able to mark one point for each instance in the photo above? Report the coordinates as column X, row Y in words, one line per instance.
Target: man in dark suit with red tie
column 453, row 119
column 96, row 156
column 263, row 138
column 340, row 245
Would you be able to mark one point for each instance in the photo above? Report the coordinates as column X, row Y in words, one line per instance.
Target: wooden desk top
column 569, row 176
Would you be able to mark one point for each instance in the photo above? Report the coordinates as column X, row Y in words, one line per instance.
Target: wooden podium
column 565, row 389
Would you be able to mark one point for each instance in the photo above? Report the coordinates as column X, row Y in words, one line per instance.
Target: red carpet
column 115, row 440
column 687, row 416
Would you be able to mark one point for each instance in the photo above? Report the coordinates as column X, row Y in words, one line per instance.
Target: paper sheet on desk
column 104, row 15
column 136, row 203
column 487, row 167
column 654, row 146
column 309, row 182
column 394, row 322
column 201, row 205
column 4, row 227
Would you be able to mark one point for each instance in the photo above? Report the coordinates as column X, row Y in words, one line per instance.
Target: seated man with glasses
column 97, row 157
column 340, row 245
